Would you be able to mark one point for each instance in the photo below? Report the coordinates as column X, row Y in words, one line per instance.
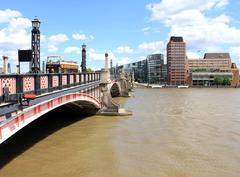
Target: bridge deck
column 44, row 86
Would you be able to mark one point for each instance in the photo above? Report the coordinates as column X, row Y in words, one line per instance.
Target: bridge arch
column 28, row 115
column 115, row 89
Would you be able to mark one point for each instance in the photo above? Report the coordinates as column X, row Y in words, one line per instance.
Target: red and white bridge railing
column 12, row 86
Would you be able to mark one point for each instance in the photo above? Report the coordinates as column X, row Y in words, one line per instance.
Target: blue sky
column 128, row 30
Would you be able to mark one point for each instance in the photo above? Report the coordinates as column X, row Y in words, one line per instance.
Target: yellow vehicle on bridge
column 60, row 66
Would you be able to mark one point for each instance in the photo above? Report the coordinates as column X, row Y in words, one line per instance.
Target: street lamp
column 36, row 23
column 35, row 62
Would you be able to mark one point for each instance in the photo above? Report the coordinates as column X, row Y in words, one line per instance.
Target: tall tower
column 9, row 68
column 35, row 62
column 111, row 67
column 84, row 56
column 5, row 65
column 176, row 61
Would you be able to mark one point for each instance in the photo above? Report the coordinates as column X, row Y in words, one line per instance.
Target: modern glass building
column 155, row 68
column 151, row 70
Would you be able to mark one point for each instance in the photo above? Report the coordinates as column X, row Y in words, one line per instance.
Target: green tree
column 89, row 70
column 218, row 80
column 226, row 81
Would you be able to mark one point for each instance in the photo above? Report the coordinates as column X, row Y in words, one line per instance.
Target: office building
column 176, row 61
column 155, row 66
column 211, row 61
column 204, row 71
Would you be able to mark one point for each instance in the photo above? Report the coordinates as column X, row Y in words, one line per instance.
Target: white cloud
column 8, row 14
column 146, row 29
column 80, row 37
column 14, row 34
column 193, row 55
column 123, row 61
column 124, row 49
column 91, row 37
column 93, row 55
column 58, row 38
column 155, row 46
column 165, row 9
column 142, row 57
column 149, row 29
column 235, row 54
column 188, row 18
column 73, row 49
column 54, row 40
column 52, row 48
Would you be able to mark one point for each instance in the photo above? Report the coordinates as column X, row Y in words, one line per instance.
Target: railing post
column 88, row 77
column 68, row 80
column 91, row 76
column 60, row 81
column 37, row 84
column 19, row 87
column 81, row 78
column 85, row 79
column 19, row 84
column 50, row 89
column 74, row 79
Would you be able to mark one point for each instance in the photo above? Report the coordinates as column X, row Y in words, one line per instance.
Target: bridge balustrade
column 13, row 86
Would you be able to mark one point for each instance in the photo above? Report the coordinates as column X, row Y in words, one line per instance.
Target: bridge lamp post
column 35, row 62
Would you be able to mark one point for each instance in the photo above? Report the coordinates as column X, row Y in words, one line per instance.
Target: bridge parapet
column 12, row 87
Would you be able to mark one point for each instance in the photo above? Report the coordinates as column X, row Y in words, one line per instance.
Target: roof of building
column 216, row 55
column 176, row 39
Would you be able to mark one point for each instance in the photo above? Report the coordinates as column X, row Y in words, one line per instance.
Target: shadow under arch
column 42, row 127
column 115, row 90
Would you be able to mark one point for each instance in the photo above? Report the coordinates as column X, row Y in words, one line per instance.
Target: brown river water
column 172, row 133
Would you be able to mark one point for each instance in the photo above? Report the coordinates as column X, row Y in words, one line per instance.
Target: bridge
column 26, row 97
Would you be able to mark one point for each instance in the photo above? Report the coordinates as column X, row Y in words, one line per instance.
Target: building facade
column 213, row 65
column 139, row 69
column 211, row 61
column 207, row 78
column 176, row 61
column 155, row 67
column 151, row 70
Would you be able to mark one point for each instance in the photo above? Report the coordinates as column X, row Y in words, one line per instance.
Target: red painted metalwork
column 30, row 114
column 28, row 84
column 77, row 78
column 29, row 96
column 71, row 79
column 55, row 81
column 64, row 80
column 82, row 78
column 8, row 82
column 43, row 82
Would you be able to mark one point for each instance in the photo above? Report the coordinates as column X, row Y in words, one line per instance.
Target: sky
column 128, row 30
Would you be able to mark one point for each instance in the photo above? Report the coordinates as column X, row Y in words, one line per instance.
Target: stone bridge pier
column 109, row 107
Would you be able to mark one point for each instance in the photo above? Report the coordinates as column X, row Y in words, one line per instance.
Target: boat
column 183, row 86
column 157, row 86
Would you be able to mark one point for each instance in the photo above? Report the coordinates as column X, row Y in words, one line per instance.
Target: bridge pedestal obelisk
column 108, row 106
column 124, row 85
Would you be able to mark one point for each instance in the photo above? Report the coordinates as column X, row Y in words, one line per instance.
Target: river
column 172, row 133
